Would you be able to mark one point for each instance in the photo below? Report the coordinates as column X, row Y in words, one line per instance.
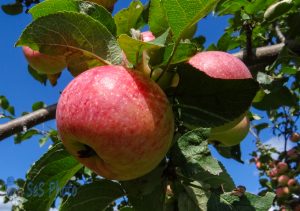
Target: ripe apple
column 230, row 135
column 282, row 167
column 222, row 65
column 295, row 137
column 283, row 180
column 44, row 63
column 273, row 173
column 108, row 4
column 282, row 192
column 292, row 182
column 147, row 36
column 115, row 121
column 293, row 154
column 259, row 165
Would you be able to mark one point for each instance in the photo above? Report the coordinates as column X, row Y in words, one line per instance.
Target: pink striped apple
column 115, row 121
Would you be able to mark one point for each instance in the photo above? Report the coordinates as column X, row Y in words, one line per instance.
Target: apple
column 283, row 180
column 282, row 167
column 259, row 165
column 230, row 135
column 115, row 121
column 44, row 63
column 293, row 154
column 282, row 192
column 273, row 173
column 147, row 36
column 108, row 4
column 295, row 137
column 222, row 65
column 292, row 183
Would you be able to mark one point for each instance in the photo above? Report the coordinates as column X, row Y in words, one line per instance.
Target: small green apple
column 231, row 133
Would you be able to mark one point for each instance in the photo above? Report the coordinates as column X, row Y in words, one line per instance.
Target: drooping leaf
column 47, row 177
column 191, row 154
column 147, row 193
column 193, row 198
column 195, row 153
column 42, row 78
column 210, row 102
column 67, row 33
column 20, row 137
column 94, row 10
column 182, row 14
column 94, row 196
column 127, row 19
column 13, row 9
column 233, row 152
column 157, row 18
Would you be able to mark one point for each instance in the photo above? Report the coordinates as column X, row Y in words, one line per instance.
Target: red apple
column 230, row 134
column 147, row 36
column 292, row 183
column 282, row 192
column 222, row 65
column 115, row 121
column 283, row 180
column 44, row 63
column 273, row 173
column 295, row 137
column 282, row 167
column 259, row 165
column 293, row 154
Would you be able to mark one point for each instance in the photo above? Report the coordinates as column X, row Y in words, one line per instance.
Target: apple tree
column 136, row 124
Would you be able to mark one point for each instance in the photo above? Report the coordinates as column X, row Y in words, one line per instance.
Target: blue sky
column 22, row 91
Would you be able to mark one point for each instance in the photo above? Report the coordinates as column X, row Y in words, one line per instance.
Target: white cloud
column 5, row 207
column 278, row 144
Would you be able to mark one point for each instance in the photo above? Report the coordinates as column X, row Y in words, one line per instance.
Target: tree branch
column 27, row 121
column 262, row 55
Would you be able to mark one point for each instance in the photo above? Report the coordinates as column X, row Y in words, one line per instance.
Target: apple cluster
column 119, row 122
column 281, row 175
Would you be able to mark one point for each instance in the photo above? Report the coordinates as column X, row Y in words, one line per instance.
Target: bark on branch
column 27, row 121
column 262, row 55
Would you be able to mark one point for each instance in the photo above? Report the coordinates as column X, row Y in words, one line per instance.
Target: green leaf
column 279, row 96
column 4, row 102
column 47, row 177
column 158, row 22
column 147, row 192
column 277, row 9
column 182, row 14
column 94, row 196
column 13, row 9
column 233, row 152
column 225, row 7
column 194, row 197
column 209, row 102
column 183, row 52
column 43, row 140
column 11, row 110
column 195, row 153
column 25, row 135
column 42, row 78
column 94, row 10
column 191, row 154
column 247, row 202
column 68, row 33
column 127, row 19
column 133, row 48
column 38, row 105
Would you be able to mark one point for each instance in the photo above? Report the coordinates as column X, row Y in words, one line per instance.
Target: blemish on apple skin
column 87, row 152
